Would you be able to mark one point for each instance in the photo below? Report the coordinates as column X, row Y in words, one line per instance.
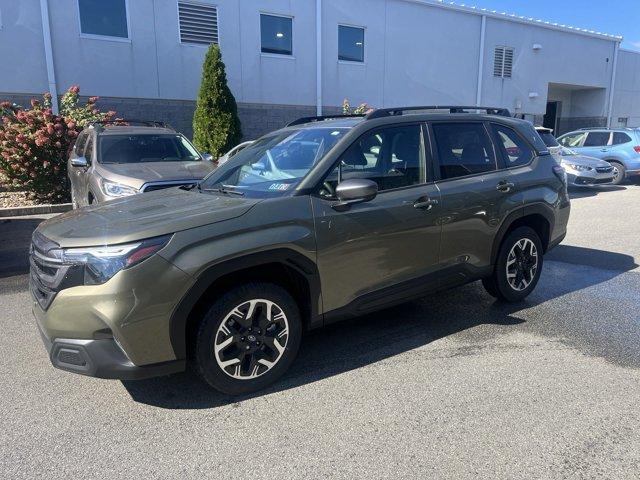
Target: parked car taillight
column 637, row 148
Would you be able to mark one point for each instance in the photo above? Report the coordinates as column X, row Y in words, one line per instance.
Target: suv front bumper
column 102, row 358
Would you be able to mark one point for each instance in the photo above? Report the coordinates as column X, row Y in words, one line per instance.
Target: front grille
column 48, row 275
column 150, row 187
column 604, row 169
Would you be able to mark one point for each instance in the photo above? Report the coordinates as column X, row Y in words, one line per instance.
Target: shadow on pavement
column 363, row 341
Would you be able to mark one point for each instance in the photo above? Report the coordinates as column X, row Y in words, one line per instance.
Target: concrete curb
column 34, row 210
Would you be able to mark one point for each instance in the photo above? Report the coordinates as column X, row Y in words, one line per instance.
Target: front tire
column 620, row 173
column 248, row 338
column 518, row 266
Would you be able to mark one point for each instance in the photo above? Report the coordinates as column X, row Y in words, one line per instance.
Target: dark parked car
column 324, row 219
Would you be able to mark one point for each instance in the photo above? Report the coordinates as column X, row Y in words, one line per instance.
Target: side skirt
column 441, row 280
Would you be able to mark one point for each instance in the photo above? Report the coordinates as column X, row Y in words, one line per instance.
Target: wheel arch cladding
column 537, row 217
column 286, row 268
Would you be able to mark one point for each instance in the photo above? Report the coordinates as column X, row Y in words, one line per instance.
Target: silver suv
column 118, row 159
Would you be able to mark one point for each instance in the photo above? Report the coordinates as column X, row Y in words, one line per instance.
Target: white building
column 289, row 58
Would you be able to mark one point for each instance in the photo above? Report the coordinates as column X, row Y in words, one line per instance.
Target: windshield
column 146, row 148
column 275, row 164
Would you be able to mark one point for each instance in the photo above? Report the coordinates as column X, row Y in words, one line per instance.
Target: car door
column 596, row 144
column 382, row 249
column 476, row 195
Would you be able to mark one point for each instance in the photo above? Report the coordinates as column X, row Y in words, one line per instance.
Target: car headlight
column 578, row 168
column 102, row 263
column 113, row 189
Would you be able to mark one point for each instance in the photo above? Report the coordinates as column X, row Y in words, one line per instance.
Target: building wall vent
column 503, row 62
column 198, row 23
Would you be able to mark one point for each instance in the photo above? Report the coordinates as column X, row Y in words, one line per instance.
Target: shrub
column 216, row 126
column 34, row 143
column 361, row 109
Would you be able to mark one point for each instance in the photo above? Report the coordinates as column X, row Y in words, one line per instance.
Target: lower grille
column 604, row 169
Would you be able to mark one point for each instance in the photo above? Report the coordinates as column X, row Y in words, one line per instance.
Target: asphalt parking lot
column 450, row 386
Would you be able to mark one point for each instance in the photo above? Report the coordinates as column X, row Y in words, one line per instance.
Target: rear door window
column 619, row 138
column 515, row 150
column 463, row 149
column 597, row 139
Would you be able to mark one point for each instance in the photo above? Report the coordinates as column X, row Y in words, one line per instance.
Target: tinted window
column 596, row 139
column 104, row 17
column 145, row 148
column 548, row 139
column 514, row 149
column 463, row 149
column 620, row 137
column 88, row 149
column 350, row 43
column 572, row 140
column 276, row 34
column 391, row 157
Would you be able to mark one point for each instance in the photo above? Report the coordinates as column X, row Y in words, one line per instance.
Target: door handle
column 505, row 187
column 425, row 203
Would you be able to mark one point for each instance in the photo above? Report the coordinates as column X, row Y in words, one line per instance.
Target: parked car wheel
column 619, row 173
column 248, row 338
column 518, row 266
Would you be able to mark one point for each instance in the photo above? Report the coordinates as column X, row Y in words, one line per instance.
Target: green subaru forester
column 324, row 219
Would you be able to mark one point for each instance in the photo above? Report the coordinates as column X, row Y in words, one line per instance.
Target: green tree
column 216, row 126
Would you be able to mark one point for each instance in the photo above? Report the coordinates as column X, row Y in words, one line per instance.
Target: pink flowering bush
column 361, row 109
column 34, row 143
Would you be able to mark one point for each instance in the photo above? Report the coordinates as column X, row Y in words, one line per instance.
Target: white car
column 224, row 158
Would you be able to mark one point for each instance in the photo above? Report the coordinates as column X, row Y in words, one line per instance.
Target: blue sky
column 617, row 17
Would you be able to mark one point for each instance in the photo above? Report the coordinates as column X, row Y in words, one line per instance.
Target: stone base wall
column 256, row 119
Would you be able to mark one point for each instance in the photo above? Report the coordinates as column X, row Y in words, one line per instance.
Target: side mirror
column 354, row 190
column 207, row 157
column 80, row 162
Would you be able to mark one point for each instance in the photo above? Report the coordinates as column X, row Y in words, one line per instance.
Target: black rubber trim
column 287, row 257
column 104, row 359
column 450, row 277
column 534, row 209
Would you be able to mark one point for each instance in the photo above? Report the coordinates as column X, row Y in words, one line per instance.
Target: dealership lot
column 451, row 386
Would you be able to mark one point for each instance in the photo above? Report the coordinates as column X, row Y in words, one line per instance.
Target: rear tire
column 248, row 338
column 620, row 173
column 518, row 266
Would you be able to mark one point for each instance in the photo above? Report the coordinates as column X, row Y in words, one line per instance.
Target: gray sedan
column 584, row 171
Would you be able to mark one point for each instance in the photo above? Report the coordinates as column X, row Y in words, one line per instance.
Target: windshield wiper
column 225, row 189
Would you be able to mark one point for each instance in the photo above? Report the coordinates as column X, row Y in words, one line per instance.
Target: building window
column 198, row 23
column 350, row 43
column 503, row 62
column 106, row 18
column 622, row 121
column 276, row 34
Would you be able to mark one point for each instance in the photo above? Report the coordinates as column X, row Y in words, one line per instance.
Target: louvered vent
column 503, row 62
column 198, row 23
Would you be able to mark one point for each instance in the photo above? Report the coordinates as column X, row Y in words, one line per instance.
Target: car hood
column 142, row 216
column 137, row 174
column 584, row 160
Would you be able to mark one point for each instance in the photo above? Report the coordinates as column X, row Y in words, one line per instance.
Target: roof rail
column 132, row 122
column 387, row 112
column 322, row 118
